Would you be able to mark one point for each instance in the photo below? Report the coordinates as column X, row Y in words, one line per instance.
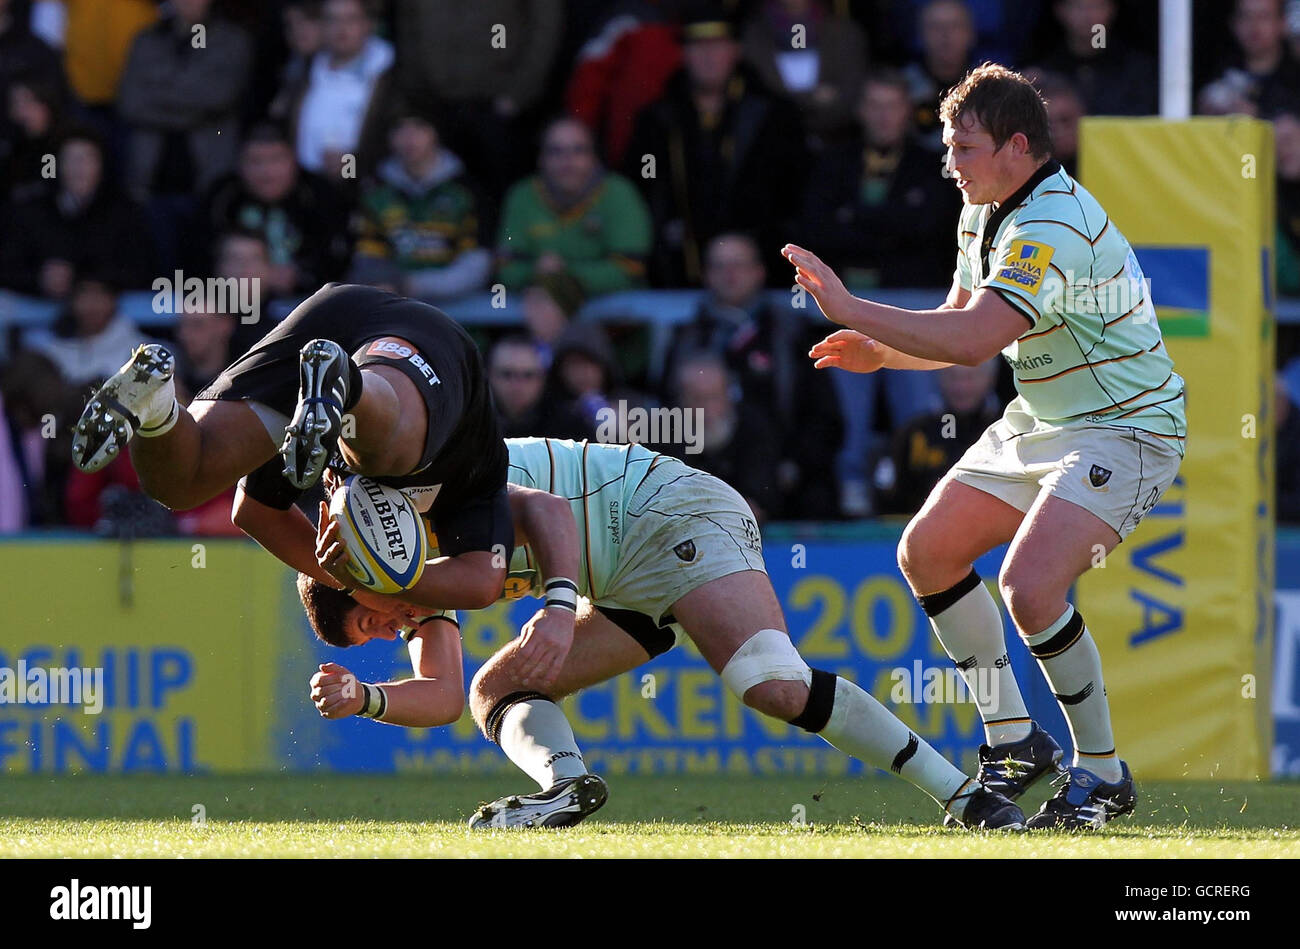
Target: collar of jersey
column 990, row 229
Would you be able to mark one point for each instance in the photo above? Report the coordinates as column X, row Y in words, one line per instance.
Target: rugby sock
column 968, row 624
column 860, row 726
column 1069, row 659
column 160, row 413
column 535, row 735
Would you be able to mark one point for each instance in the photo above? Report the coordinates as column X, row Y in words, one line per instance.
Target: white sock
column 1070, row 661
column 968, row 624
column 537, row 737
column 862, row 727
column 161, row 411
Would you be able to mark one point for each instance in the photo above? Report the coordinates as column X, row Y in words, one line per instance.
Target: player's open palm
column 336, row 692
column 848, row 349
column 812, row 273
column 331, row 550
column 543, row 647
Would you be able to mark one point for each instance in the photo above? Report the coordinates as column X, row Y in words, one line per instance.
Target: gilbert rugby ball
column 383, row 533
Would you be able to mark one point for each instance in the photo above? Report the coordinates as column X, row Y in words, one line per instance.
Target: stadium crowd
column 555, row 151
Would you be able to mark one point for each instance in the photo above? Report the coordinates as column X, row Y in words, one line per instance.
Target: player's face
column 366, row 623
column 979, row 172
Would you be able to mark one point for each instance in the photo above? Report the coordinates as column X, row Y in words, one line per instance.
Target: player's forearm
column 423, row 703
column 922, row 339
column 470, row 581
column 287, row 535
column 549, row 528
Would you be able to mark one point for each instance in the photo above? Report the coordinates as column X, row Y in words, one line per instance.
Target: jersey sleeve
column 408, row 632
column 1030, row 265
column 268, row 485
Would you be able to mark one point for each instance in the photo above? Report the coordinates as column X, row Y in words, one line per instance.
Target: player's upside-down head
column 341, row 621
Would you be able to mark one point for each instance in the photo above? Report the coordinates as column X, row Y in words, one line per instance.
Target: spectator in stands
column 180, row 98
column 735, row 437
column 244, row 255
column 879, row 206
column 518, row 378
column 925, row 448
column 338, row 108
column 1003, row 29
column 586, row 380
column 82, row 221
column 573, row 217
column 97, row 40
column 419, row 218
column 1260, row 75
column 813, row 56
column 90, row 341
column 550, row 305
column 298, row 214
column 1286, row 138
column 304, row 35
column 202, row 348
column 726, row 156
column 1113, row 78
column 764, row 349
column 622, row 69
column 1065, row 107
column 35, row 108
column 486, row 65
column 36, row 419
column 1288, row 454
column 947, row 34
column 21, row 54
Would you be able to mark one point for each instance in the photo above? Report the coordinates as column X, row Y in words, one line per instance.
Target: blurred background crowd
column 552, row 153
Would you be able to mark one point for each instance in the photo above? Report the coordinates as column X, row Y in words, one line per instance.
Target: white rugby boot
column 139, row 399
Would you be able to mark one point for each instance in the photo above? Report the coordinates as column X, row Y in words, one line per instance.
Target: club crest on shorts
column 1098, row 476
column 685, row 551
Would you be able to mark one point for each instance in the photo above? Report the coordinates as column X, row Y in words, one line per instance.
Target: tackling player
column 394, row 384
column 661, row 550
column 1093, row 439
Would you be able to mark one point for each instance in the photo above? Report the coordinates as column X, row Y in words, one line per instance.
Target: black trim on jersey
column 1016, row 304
column 990, row 229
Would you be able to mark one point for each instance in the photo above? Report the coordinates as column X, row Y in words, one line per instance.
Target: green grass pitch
column 687, row 816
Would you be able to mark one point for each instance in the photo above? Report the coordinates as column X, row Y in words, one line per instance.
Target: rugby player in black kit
column 395, row 386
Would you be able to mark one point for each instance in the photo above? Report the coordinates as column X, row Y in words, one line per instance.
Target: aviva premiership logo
column 1025, row 265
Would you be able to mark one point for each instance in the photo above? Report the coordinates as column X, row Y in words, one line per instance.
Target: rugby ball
column 383, row 533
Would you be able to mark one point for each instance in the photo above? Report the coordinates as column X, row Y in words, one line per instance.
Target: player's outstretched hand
column 813, row 275
column 848, row 349
column 336, row 692
column 331, row 552
column 544, row 646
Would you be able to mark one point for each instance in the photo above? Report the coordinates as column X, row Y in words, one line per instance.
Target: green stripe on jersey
column 1093, row 352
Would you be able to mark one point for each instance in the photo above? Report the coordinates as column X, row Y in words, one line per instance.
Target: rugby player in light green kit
column 659, row 550
column 1093, row 439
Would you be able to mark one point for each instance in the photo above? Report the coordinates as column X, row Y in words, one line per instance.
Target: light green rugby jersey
column 598, row 480
column 1093, row 352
